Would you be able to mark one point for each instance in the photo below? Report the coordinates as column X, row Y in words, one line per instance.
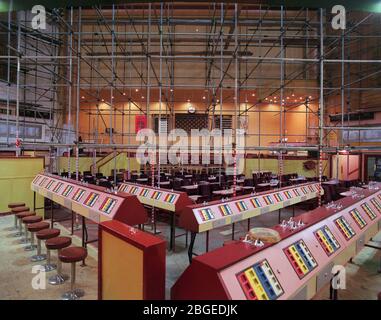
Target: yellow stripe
column 256, row 284
column 322, row 236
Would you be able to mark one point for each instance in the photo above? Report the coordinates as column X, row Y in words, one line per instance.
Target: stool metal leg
column 32, row 246
column 38, row 256
column 73, row 294
column 58, row 278
column 49, row 266
column 25, row 239
column 19, row 233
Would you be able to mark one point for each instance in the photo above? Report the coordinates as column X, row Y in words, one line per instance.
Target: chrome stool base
column 73, row 295
column 58, row 279
column 37, row 258
column 30, row 247
column 49, row 267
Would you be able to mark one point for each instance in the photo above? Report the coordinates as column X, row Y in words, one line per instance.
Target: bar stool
column 33, row 228
column 41, row 235
column 26, row 221
column 72, row 255
column 19, row 212
column 58, row 243
column 14, row 205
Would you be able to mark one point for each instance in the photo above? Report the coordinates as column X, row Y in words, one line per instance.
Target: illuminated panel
column 278, row 197
column 256, row 202
column 108, row 205
column 371, row 214
column 345, row 228
column 300, row 258
column 327, row 240
column 36, row 179
column 133, row 190
column 42, row 181
column 288, row 194
column 49, row 185
column 67, row 190
column 170, row 198
column 144, row 192
column 78, row 195
column 225, row 210
column 91, row 199
column 156, row 195
column 355, row 214
column 296, row 192
column 241, row 206
column 376, row 204
column 304, row 189
column 268, row 199
column 206, row 214
column 259, row 282
column 58, row 187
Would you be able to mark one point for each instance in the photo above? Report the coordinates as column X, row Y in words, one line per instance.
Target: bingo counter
column 216, row 214
column 297, row 267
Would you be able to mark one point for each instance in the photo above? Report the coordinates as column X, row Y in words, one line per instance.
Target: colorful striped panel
column 288, row 194
column 241, row 205
column 256, row 203
column 312, row 188
column 268, row 199
column 42, row 181
column 58, row 187
column 304, row 189
column 259, row 282
column 49, row 185
column 345, row 228
column 156, row 195
column 327, row 240
column 78, row 195
column 377, row 205
column 368, row 210
column 206, row 214
column 67, row 190
column 36, row 179
column 170, row 198
column 108, row 205
column 91, row 199
column 296, row 192
column 225, row 210
column 278, row 197
column 133, row 190
column 300, row 258
column 144, row 192
column 358, row 218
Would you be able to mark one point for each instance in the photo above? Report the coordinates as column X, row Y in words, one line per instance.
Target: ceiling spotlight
column 142, row 97
column 112, row 97
column 293, row 95
column 310, row 97
column 197, row 30
column 301, row 98
column 83, row 97
column 218, row 100
column 253, row 94
column 171, row 90
column 203, row 98
column 288, row 98
column 267, row 99
column 124, row 93
column 103, row 100
column 188, row 100
column 271, row 100
column 136, row 90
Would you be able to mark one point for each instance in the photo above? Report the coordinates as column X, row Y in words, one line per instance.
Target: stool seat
column 19, row 209
column 31, row 219
column 16, row 204
column 72, row 254
column 25, row 214
column 48, row 233
column 58, row 243
column 34, row 227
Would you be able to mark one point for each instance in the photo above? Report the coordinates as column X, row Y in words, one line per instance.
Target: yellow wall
column 289, row 166
column 121, row 163
column 16, row 175
column 84, row 163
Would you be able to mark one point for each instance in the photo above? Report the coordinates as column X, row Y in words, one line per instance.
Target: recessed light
column 142, row 97
column 112, row 97
column 188, row 100
column 253, row 94
column 103, row 100
column 136, row 90
column 267, row 99
column 171, row 90
column 203, row 98
column 124, row 93
column 83, row 97
column 288, row 98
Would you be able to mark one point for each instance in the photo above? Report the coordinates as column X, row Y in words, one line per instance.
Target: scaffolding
column 101, row 65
